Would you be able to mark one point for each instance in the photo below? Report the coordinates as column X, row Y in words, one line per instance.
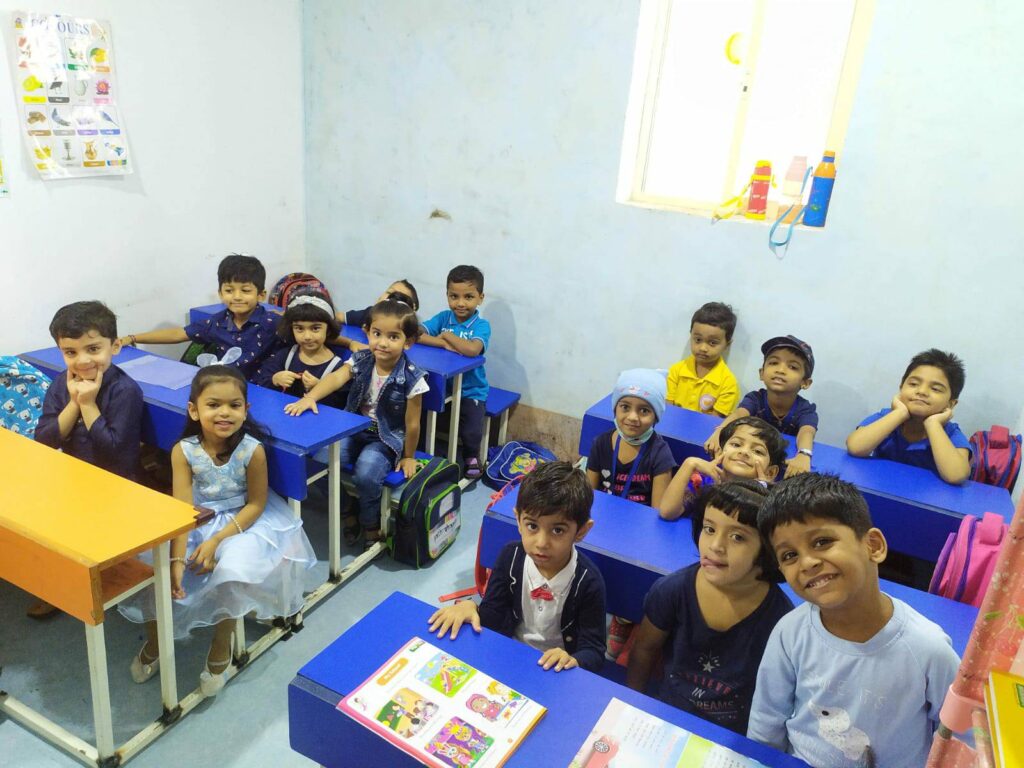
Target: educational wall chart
column 67, row 96
column 627, row 737
column 442, row 711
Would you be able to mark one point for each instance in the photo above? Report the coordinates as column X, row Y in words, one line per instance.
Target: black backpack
column 428, row 514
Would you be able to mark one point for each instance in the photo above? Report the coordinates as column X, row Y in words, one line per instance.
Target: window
column 720, row 84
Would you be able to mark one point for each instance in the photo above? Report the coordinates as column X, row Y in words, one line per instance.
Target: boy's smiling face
column 548, row 540
column 88, row 355
column 926, row 391
column 826, row 563
column 241, row 298
column 743, row 452
column 463, row 299
column 783, row 372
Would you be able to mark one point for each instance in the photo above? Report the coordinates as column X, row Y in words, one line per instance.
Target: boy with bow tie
column 543, row 591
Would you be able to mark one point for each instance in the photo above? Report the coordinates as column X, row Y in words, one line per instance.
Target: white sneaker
column 141, row 672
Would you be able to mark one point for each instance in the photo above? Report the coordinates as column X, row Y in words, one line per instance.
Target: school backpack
column 22, row 390
column 297, row 284
column 996, row 457
column 512, row 460
column 968, row 558
column 428, row 514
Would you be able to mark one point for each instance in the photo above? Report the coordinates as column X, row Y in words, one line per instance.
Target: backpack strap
column 291, row 356
column 990, row 530
column 331, row 365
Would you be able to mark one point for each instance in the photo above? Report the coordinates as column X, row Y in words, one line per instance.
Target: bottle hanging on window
column 757, row 203
column 821, row 191
column 793, row 189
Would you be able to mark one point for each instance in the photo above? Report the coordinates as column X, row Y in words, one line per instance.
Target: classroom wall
column 211, row 96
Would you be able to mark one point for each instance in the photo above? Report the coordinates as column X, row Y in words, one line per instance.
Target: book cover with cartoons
column 442, row 711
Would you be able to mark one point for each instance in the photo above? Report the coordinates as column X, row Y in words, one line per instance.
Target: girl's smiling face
column 728, row 549
column 743, row 452
column 633, row 415
column 220, row 409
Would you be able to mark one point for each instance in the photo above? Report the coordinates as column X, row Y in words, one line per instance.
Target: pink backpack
column 967, row 560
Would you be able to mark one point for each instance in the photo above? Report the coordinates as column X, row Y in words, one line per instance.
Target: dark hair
column 409, row 294
column 213, row 374
column 73, row 321
column 556, row 488
column 240, row 268
column 773, row 440
column 813, row 495
column 307, row 313
column 717, row 314
column 947, row 362
column 407, row 320
column 466, row 273
column 740, row 499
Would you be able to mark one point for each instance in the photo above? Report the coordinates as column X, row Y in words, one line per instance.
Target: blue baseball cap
column 802, row 348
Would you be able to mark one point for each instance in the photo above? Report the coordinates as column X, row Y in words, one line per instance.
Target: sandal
column 372, row 537
column 143, row 670
column 211, row 682
column 350, row 533
column 42, row 610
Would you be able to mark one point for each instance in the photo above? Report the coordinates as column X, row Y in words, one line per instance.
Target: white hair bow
column 230, row 356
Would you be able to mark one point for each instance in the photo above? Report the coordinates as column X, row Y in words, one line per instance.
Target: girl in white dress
column 251, row 556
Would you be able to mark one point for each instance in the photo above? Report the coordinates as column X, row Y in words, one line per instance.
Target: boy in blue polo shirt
column 917, row 428
column 787, row 368
column 461, row 329
column 243, row 323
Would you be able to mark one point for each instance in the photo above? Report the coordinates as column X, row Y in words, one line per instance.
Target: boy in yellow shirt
column 703, row 382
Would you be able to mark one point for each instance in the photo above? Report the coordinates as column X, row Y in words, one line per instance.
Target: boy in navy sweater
column 543, row 591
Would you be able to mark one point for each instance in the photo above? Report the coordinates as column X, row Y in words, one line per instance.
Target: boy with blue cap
column 786, row 371
column 632, row 460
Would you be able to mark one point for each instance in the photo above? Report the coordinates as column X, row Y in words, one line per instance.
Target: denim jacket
column 393, row 395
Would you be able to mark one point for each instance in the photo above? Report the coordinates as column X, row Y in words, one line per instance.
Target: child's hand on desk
column 900, row 407
column 558, row 658
column 301, row 406
column 796, row 466
column 409, row 467
column 284, row 379
column 712, row 445
column 454, row 616
column 309, row 380
column 940, row 418
column 177, row 571
column 87, row 390
column 203, row 560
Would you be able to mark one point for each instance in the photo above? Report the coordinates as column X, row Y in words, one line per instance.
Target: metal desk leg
column 100, row 685
column 453, row 428
column 165, row 625
column 428, row 439
column 334, row 508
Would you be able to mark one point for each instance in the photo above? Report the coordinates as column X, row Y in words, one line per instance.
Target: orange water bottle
column 821, row 191
column 757, row 203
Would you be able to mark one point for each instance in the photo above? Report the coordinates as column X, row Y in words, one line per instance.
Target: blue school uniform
column 257, row 338
column 474, row 383
column 918, row 453
column 803, row 413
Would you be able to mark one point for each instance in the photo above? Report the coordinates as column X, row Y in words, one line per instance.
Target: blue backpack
column 22, row 390
column 511, row 461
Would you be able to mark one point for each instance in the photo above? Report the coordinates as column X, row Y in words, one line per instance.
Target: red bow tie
column 541, row 593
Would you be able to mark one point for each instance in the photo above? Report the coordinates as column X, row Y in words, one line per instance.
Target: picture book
column 627, row 737
column 1004, row 701
column 442, row 711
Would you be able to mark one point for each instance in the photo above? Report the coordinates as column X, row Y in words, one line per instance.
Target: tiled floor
column 44, row 665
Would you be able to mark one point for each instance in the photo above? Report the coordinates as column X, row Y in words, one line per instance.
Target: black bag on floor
column 428, row 514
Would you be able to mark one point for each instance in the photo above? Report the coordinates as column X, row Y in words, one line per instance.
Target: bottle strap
column 774, row 244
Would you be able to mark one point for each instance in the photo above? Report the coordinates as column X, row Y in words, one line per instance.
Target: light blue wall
column 509, row 117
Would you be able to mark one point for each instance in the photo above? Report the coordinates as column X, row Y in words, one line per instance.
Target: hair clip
column 230, row 356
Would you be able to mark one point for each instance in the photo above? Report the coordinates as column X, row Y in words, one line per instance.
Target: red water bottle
column 757, row 203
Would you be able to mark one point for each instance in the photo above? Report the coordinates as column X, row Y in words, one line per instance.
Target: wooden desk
column 69, row 532
column 575, row 699
column 915, row 508
column 633, row 547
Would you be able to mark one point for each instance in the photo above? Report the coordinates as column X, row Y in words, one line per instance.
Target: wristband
column 236, row 525
column 177, row 560
column 806, row 452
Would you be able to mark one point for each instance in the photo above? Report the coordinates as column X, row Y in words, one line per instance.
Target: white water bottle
column 792, row 199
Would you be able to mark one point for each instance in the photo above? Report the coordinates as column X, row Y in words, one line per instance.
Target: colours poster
column 66, row 91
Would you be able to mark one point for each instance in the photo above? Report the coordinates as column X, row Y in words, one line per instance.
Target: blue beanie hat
column 645, row 383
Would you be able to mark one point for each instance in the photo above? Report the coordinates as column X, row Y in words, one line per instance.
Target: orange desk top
column 62, row 521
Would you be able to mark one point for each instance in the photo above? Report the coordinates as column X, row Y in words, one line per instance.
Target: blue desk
column 575, row 699
column 633, row 547
column 293, row 439
column 440, row 365
column 915, row 508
